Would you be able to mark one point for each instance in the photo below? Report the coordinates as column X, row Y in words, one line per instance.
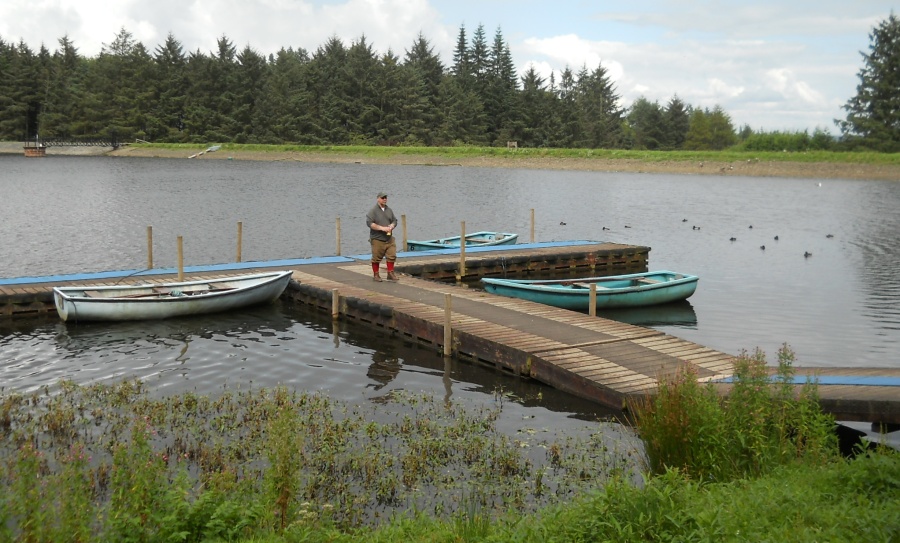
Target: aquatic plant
column 113, row 461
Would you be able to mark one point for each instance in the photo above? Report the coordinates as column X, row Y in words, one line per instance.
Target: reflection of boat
column 632, row 290
column 477, row 239
column 165, row 300
column 155, row 340
column 679, row 314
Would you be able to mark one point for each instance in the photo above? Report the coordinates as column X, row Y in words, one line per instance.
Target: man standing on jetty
column 381, row 222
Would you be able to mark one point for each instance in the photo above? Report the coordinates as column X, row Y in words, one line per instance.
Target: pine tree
column 873, row 115
column 647, row 123
column 428, row 70
column 167, row 117
column 251, row 75
column 500, row 92
column 598, row 107
column 678, row 122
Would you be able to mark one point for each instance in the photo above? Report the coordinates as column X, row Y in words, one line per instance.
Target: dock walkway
column 599, row 359
column 594, row 358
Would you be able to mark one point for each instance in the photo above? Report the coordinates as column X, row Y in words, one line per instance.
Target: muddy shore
column 752, row 167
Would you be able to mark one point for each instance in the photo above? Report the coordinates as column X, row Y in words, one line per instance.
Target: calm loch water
column 839, row 306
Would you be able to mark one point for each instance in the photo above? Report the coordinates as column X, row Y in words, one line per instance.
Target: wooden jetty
column 35, row 150
column 602, row 360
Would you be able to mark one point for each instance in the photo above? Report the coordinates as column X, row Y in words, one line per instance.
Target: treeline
column 345, row 95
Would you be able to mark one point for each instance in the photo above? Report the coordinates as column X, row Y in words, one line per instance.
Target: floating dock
column 602, row 360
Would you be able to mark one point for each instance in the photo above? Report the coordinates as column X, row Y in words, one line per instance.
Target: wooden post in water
column 532, row 225
column 149, row 247
column 180, row 259
column 338, row 236
column 403, row 222
column 462, row 251
column 448, row 331
column 335, row 304
column 592, row 301
column 240, row 240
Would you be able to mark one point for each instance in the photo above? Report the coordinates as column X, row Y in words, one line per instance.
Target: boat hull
column 163, row 301
column 476, row 239
column 621, row 291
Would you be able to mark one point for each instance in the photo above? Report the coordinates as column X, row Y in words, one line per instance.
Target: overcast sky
column 772, row 64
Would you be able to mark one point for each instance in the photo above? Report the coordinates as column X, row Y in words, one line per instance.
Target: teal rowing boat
column 633, row 290
column 477, row 239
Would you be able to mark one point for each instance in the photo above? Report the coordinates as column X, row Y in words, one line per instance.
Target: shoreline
column 752, row 168
column 749, row 168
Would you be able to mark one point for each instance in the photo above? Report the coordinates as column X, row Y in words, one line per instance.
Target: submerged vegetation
column 111, row 460
column 110, row 463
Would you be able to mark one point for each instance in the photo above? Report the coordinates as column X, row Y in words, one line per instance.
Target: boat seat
column 648, row 281
column 588, row 286
column 93, row 294
column 220, row 286
column 162, row 290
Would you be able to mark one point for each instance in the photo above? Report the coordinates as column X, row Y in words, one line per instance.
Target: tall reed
column 762, row 422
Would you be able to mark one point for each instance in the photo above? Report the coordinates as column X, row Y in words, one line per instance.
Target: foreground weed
column 761, row 423
column 190, row 467
column 282, row 476
column 138, row 484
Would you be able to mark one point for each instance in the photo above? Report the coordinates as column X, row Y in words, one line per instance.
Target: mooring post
column 338, row 236
column 592, row 301
column 403, row 221
column 462, row 251
column 180, row 259
column 532, row 225
column 335, row 304
column 240, row 239
column 448, row 332
column 149, row 247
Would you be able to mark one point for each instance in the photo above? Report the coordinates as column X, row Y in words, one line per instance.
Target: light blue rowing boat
column 632, row 290
column 476, row 239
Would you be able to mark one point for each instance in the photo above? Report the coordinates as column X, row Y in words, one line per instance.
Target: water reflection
column 677, row 314
column 383, row 370
column 252, row 325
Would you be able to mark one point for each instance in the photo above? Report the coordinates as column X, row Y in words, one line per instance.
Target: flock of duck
column 806, row 254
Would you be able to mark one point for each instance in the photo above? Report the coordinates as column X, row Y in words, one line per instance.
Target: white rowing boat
column 165, row 300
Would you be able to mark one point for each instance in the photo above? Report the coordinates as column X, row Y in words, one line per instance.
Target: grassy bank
column 524, row 154
column 813, row 164
column 816, row 165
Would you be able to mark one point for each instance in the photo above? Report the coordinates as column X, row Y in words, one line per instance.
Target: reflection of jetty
column 603, row 360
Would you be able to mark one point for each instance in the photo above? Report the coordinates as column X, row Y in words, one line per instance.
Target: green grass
column 449, row 153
